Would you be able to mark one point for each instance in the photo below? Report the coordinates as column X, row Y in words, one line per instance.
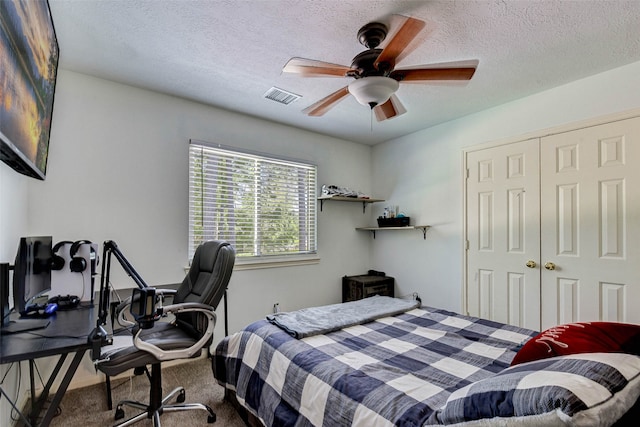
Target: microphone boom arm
column 99, row 336
column 111, row 248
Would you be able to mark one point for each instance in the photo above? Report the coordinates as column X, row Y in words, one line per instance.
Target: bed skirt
column 249, row 419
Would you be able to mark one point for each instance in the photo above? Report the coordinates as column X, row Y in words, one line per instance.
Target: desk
column 66, row 334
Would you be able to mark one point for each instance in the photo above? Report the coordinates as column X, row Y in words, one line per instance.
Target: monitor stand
column 24, row 325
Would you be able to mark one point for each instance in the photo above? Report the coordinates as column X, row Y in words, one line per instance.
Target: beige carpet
column 88, row 406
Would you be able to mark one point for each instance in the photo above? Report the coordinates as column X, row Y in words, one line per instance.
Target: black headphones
column 77, row 264
column 57, row 262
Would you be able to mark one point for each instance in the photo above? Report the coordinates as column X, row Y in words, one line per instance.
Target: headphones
column 77, row 264
column 57, row 262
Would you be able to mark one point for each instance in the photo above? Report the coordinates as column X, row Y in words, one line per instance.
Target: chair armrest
column 163, row 293
column 188, row 352
column 120, row 311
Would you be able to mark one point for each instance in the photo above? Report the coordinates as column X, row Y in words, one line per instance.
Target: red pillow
column 582, row 337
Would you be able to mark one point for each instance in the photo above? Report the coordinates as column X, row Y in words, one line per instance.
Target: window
column 264, row 206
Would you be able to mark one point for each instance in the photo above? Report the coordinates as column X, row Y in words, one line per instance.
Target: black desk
column 65, row 335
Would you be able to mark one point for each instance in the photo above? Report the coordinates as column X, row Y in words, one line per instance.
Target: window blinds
column 263, row 206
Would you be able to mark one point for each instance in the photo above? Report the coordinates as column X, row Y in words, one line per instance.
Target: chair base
column 163, row 408
column 158, row 405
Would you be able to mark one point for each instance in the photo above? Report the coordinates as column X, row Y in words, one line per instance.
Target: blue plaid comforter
column 393, row 371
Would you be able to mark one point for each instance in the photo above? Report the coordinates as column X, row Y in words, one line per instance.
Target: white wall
column 13, row 211
column 422, row 173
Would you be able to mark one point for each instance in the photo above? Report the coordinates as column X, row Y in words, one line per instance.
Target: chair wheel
column 211, row 419
column 119, row 414
column 181, row 397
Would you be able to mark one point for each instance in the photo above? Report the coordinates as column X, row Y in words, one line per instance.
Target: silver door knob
column 550, row 266
column 531, row 264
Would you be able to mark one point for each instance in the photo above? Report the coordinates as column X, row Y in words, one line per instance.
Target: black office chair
column 184, row 337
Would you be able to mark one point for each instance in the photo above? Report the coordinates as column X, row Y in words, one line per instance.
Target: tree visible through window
column 263, row 206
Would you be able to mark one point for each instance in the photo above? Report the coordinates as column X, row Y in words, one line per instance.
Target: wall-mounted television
column 28, row 69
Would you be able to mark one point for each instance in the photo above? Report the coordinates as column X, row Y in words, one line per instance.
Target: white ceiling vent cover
column 282, row 96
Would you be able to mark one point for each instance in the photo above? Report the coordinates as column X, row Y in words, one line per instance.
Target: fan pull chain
column 371, row 121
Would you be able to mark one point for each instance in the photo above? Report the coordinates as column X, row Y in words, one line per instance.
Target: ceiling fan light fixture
column 373, row 90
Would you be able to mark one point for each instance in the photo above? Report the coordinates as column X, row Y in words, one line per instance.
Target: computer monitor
column 4, row 294
column 31, row 272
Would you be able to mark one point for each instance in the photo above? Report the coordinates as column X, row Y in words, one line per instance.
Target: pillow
column 583, row 337
column 580, row 389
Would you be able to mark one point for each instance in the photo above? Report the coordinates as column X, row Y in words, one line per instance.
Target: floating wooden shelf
column 362, row 200
column 373, row 230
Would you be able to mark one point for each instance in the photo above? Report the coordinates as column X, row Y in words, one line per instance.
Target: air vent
column 281, row 96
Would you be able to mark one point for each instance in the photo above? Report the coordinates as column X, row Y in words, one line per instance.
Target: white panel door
column 503, row 234
column 590, row 221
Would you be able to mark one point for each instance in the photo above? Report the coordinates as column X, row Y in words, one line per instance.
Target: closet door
column 590, row 219
column 503, row 237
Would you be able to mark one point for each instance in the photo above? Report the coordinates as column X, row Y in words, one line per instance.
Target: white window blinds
column 263, row 206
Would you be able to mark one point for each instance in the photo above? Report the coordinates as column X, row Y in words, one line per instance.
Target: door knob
column 550, row 266
column 531, row 264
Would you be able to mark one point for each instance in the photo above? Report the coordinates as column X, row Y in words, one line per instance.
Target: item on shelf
column 334, row 190
column 375, row 273
column 399, row 221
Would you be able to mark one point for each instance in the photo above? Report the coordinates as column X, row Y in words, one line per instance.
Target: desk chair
column 193, row 304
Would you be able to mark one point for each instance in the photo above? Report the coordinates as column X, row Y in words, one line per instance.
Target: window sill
column 275, row 262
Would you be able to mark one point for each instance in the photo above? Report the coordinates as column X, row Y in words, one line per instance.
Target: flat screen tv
column 28, row 70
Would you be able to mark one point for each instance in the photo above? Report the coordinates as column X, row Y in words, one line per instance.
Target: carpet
column 87, row 406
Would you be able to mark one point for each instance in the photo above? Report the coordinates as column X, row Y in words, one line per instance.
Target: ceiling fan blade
column 313, row 68
column 399, row 42
column 326, row 103
column 390, row 109
column 427, row 74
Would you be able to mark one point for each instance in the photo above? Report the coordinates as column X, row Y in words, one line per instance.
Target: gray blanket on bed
column 320, row 320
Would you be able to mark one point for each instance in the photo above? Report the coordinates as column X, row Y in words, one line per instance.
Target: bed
column 423, row 366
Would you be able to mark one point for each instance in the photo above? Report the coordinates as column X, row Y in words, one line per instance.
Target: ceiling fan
column 376, row 78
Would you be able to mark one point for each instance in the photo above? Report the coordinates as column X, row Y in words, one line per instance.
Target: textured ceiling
column 228, row 53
